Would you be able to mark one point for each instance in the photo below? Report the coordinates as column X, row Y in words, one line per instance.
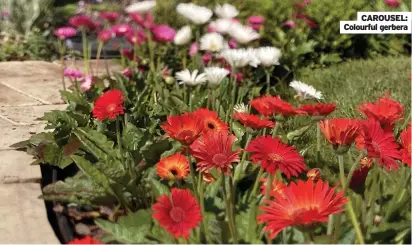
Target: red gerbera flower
column 210, row 119
column 173, row 167
column 184, row 128
column 109, row 105
column 317, row 110
column 340, row 131
column 357, row 183
column 85, row 240
column 109, row 15
column 179, row 213
column 277, row 187
column 379, row 144
column 274, row 155
column 385, row 111
column 82, row 21
column 406, row 150
column 263, row 105
column 252, row 121
column 214, row 150
column 270, row 105
column 303, row 204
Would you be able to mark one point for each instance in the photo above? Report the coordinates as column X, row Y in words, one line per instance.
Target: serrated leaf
column 97, row 143
column 132, row 136
column 297, row 133
column 238, row 129
column 158, row 188
column 53, row 155
column 94, row 173
column 56, row 117
column 79, row 189
column 130, row 229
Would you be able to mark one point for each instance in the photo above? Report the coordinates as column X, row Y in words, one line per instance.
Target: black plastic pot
column 110, row 50
column 61, row 225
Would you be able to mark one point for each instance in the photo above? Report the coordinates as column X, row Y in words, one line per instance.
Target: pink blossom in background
column 194, row 48
column 211, row 28
column 127, row 72
column 163, row 33
column 105, row 35
column 300, row 16
column 235, row 20
column 146, row 22
column 232, row 44
column 307, row 1
column 65, row 32
column 121, row 29
column 239, row 77
column 72, row 73
column 136, row 37
column 392, row 3
column 109, row 15
column 206, row 58
column 82, row 21
column 127, row 53
column 300, row 5
column 87, row 83
column 4, row 13
column 290, row 23
column 255, row 22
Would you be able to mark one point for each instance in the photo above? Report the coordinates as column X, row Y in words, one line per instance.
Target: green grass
column 348, row 85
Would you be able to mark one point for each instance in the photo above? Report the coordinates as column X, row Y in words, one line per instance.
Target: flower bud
column 208, row 178
column 314, row 174
column 169, row 80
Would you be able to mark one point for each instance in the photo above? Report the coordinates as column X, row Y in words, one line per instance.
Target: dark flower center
column 210, row 125
column 219, row 159
column 174, row 172
column 177, row 214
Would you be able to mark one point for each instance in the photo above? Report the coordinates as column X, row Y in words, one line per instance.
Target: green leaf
column 90, row 170
column 131, row 136
column 97, row 143
column 294, row 135
column 130, row 229
column 79, row 189
column 158, row 188
column 53, row 155
column 60, row 117
column 238, row 129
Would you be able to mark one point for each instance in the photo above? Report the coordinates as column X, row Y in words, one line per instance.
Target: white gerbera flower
column 196, row 14
column 183, row 36
column 305, row 91
column 241, row 108
column 243, row 34
column 191, row 79
column 238, row 57
column 215, row 75
column 221, row 25
column 254, row 61
column 213, row 42
column 141, row 7
column 268, row 56
column 226, row 11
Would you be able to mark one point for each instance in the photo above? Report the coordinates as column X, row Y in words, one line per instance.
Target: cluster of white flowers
column 305, row 91
column 196, row 14
column 141, row 7
column 213, row 75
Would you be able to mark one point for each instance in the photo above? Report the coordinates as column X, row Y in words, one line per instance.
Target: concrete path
column 27, row 90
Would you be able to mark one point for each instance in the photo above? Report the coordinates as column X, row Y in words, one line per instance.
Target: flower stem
column 269, row 181
column 275, row 130
column 119, row 139
column 85, row 55
column 62, row 51
column 349, row 206
column 318, row 139
column 202, row 208
column 228, row 212
column 256, row 185
column 192, row 175
column 267, row 81
column 242, row 161
column 99, row 51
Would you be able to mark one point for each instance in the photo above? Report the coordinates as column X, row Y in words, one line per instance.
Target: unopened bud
column 208, row 178
column 377, row 220
column 169, row 80
column 314, row 174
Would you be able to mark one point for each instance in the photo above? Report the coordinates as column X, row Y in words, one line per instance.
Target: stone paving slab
column 23, row 215
column 14, row 134
column 114, row 66
column 9, row 96
column 26, row 116
column 40, row 69
column 15, row 165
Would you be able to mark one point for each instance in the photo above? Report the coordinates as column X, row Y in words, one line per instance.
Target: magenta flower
column 4, row 13
column 163, row 33
column 307, row 1
column 105, row 35
column 255, row 22
column 300, row 5
column 109, row 16
column 127, row 53
column 232, row 44
column 65, row 32
column 290, row 23
column 312, row 24
column 87, row 83
column 206, row 58
column 82, row 21
column 121, row 29
column 72, row 73
column 144, row 22
column 136, row 37
column 127, row 72
column 392, row 3
column 194, row 48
